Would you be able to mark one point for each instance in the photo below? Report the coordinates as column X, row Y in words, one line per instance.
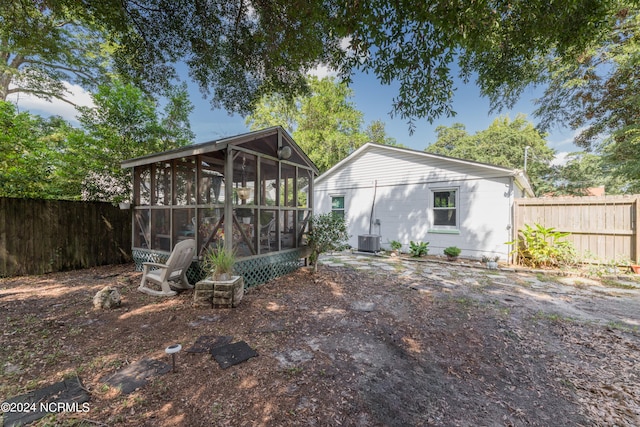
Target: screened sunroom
column 251, row 193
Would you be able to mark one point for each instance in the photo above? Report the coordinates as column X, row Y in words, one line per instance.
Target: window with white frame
column 337, row 206
column 445, row 208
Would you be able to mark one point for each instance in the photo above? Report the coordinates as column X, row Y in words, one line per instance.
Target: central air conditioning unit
column 369, row 243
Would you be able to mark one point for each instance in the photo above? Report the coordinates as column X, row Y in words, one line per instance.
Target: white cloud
column 322, row 71
column 560, row 159
column 56, row 107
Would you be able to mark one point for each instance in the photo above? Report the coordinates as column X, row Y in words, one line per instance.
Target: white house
column 408, row 195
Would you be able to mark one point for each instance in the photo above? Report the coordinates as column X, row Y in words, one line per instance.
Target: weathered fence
column 42, row 236
column 602, row 228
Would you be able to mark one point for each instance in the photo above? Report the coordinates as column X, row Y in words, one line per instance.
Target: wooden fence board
column 43, row 236
column 602, row 228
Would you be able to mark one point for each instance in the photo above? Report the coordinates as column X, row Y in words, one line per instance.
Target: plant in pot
column 491, row 261
column 452, row 253
column 395, row 247
column 221, row 287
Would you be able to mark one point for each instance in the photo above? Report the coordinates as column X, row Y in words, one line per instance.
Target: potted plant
column 452, row 253
column 123, row 202
column 220, row 287
column 245, row 215
column 491, row 261
column 395, row 247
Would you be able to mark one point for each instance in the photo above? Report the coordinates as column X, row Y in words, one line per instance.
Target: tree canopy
column 41, row 49
column 325, row 123
column 50, row 159
column 502, row 144
column 239, row 51
column 586, row 170
column 28, row 147
column 599, row 96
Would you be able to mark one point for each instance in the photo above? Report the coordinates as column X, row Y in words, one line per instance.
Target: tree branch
column 41, row 94
column 61, row 67
column 17, row 61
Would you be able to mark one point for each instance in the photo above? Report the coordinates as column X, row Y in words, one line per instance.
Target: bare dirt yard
column 365, row 342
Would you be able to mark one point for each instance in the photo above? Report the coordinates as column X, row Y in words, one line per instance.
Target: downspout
column 373, row 204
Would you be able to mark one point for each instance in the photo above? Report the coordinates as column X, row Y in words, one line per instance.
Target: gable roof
column 519, row 176
column 249, row 138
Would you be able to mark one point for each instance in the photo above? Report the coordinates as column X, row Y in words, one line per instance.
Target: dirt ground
column 365, row 342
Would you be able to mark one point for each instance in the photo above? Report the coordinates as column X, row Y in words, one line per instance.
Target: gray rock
column 107, row 298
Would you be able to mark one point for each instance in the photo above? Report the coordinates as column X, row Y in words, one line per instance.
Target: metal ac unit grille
column 369, row 243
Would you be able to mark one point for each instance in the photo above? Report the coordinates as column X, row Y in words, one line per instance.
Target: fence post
column 514, row 230
column 636, row 234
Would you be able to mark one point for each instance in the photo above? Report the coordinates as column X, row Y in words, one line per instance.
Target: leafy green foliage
column 452, row 251
column 376, row 132
column 50, row 159
column 418, row 249
column 539, row 246
column 219, row 262
column 597, row 95
column 502, row 144
column 586, row 170
column 239, row 51
column 30, row 149
column 42, row 49
column 395, row 245
column 328, row 232
column 324, row 123
column 123, row 125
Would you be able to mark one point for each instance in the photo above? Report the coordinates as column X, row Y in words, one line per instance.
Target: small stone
column 107, row 298
column 363, row 306
column 10, row 368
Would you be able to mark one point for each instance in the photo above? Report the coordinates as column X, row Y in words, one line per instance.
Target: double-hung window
column 337, row 206
column 445, row 209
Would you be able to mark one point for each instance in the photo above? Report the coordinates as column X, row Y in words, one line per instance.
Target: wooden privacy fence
column 602, row 228
column 43, row 236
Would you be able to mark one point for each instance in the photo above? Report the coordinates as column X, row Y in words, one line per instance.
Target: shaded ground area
column 365, row 342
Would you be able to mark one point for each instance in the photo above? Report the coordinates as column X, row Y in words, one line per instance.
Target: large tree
column 377, row 133
column 48, row 158
column 29, row 148
column 238, row 51
column 41, row 49
column 503, row 143
column 599, row 96
column 584, row 170
column 325, row 123
column 125, row 123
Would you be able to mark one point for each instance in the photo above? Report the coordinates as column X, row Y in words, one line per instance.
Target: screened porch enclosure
column 249, row 193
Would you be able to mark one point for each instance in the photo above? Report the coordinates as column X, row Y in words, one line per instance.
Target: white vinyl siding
column 403, row 182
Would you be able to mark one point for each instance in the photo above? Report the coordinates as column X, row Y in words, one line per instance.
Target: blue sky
column 370, row 97
column 375, row 101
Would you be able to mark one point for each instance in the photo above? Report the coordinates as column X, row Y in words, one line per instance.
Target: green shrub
column 418, row 249
column 395, row 245
column 452, row 251
column 328, row 232
column 543, row 247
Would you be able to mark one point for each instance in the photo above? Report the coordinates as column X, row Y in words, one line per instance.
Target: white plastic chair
column 173, row 271
column 266, row 234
